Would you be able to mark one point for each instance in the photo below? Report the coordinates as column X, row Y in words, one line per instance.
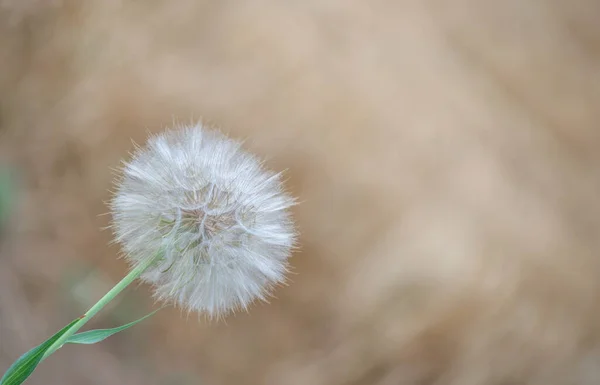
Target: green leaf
column 26, row 364
column 94, row 336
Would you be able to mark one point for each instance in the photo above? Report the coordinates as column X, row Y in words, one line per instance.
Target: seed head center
column 208, row 225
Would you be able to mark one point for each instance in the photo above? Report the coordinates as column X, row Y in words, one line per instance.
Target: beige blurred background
column 445, row 153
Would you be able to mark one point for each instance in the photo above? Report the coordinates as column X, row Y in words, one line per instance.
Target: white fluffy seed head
column 218, row 221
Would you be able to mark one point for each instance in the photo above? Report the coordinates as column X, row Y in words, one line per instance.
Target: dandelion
column 217, row 219
column 201, row 220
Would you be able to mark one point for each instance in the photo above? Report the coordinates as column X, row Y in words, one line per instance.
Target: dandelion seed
column 216, row 220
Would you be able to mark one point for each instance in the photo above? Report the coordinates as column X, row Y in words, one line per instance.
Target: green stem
column 119, row 287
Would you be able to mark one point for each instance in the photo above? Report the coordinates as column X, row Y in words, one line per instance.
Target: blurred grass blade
column 26, row 364
column 6, row 195
column 94, row 336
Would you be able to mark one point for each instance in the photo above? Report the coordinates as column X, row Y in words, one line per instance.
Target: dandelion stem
column 112, row 293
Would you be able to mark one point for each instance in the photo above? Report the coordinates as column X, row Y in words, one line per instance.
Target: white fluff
column 217, row 219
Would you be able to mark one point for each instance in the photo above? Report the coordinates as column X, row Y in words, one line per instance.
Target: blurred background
column 445, row 153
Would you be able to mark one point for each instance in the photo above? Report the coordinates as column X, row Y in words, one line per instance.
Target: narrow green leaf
column 26, row 364
column 94, row 336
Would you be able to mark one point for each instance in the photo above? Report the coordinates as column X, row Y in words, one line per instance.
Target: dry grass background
column 446, row 153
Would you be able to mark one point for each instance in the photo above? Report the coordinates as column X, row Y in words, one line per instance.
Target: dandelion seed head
column 218, row 221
